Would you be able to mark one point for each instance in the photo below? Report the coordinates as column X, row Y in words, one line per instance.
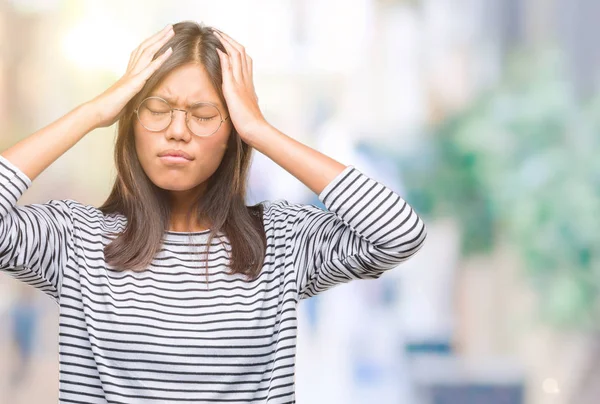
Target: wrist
column 88, row 116
column 258, row 135
column 92, row 113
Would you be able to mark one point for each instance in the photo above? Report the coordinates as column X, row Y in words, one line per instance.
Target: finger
column 251, row 74
column 235, row 59
column 225, row 65
column 146, row 55
column 149, row 54
column 136, row 51
column 250, row 71
column 232, row 41
column 135, row 55
column 154, row 65
column 246, row 60
column 240, row 48
column 153, row 39
column 250, row 68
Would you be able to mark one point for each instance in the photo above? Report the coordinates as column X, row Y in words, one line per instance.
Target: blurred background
column 483, row 114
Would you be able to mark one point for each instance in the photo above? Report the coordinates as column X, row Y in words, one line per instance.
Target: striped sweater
column 166, row 335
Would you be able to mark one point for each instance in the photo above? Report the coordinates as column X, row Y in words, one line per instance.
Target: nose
column 178, row 128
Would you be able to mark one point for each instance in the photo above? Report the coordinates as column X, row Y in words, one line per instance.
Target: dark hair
column 146, row 206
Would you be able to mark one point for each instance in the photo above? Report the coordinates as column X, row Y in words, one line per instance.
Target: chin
column 174, row 183
column 173, row 186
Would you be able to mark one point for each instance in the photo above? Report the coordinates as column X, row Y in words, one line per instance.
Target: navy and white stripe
column 172, row 334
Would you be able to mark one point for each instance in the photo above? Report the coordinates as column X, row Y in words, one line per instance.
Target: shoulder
column 85, row 216
column 283, row 211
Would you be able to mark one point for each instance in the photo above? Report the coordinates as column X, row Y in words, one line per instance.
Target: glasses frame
column 187, row 115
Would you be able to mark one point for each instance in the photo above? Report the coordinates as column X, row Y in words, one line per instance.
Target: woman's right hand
column 109, row 105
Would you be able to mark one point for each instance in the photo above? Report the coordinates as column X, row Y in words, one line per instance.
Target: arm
column 37, row 240
column 37, row 152
column 313, row 168
column 367, row 229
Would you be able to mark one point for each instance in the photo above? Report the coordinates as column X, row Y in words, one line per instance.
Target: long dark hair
column 146, row 206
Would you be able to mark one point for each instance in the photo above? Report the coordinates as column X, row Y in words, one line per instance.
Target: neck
column 183, row 217
column 180, row 224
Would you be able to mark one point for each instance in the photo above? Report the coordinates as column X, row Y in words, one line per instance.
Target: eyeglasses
column 156, row 114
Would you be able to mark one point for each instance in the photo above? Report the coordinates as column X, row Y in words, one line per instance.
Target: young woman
column 174, row 290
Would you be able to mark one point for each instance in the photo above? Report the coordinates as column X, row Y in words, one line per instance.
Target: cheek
column 217, row 148
column 224, row 134
column 143, row 146
column 143, row 139
column 210, row 157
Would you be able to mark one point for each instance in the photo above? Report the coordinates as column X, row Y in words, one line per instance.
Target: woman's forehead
column 186, row 85
column 175, row 99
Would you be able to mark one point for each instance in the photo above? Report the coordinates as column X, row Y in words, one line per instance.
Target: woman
column 142, row 317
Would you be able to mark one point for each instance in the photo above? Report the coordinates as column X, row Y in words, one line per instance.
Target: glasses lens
column 154, row 114
column 204, row 119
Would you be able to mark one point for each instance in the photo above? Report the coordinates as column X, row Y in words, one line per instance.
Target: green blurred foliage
column 521, row 163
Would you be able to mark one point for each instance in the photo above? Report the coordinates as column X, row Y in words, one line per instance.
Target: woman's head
column 211, row 185
column 188, row 89
column 191, row 75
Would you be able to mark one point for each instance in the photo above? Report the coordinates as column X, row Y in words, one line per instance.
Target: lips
column 175, row 153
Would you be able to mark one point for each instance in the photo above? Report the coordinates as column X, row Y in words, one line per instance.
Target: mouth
column 170, row 159
column 175, row 157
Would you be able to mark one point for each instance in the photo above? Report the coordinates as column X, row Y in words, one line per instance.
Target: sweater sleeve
column 366, row 230
column 36, row 240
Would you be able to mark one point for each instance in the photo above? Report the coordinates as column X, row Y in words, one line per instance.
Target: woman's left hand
column 238, row 88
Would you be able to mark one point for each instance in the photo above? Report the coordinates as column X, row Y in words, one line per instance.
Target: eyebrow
column 171, row 100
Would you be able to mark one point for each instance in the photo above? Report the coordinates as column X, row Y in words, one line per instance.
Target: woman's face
column 184, row 86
